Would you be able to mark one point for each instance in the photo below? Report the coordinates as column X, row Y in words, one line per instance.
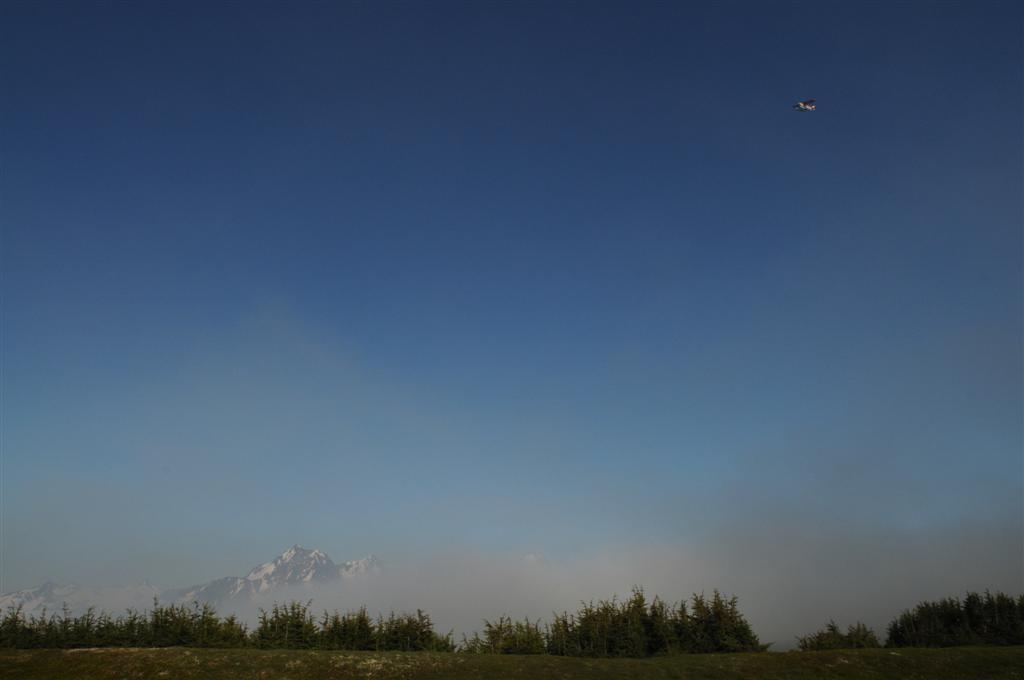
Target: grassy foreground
column 990, row 663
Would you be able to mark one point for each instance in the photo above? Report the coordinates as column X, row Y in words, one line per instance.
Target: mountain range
column 293, row 569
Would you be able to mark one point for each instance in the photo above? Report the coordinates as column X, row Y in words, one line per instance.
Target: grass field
column 991, row 663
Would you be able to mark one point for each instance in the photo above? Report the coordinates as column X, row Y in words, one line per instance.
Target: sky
column 482, row 280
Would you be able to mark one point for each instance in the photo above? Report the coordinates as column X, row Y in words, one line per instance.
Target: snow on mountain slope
column 294, row 567
column 370, row 564
column 52, row 598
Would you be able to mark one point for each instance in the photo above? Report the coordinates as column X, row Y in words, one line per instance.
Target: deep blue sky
column 498, row 277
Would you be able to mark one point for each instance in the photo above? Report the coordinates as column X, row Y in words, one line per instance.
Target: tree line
column 634, row 627
column 287, row 626
column 989, row 619
column 630, row 628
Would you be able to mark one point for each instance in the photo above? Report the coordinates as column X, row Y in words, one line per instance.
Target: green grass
column 991, row 663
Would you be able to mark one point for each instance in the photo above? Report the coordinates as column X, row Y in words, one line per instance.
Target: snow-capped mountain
column 52, row 598
column 292, row 569
column 295, row 566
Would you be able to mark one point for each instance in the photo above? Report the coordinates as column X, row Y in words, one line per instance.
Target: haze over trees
column 634, row 627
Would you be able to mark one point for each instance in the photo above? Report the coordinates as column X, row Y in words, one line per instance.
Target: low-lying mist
column 789, row 582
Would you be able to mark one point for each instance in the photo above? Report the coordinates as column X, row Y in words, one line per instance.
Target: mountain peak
column 294, row 565
column 289, row 554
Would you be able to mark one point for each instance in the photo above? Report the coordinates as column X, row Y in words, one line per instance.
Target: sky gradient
column 494, row 279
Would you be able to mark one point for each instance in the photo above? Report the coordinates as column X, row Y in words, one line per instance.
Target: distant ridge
column 296, row 566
